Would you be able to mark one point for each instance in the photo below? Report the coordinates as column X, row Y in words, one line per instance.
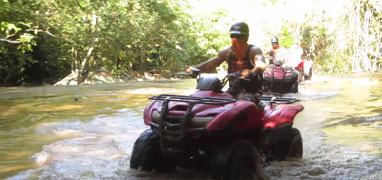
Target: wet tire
column 238, row 162
column 294, row 88
column 309, row 77
column 300, row 75
column 291, row 147
column 147, row 155
column 295, row 149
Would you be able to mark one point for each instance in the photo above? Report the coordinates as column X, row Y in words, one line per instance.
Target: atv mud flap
column 274, row 135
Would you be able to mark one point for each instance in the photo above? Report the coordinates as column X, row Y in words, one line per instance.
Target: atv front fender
column 278, row 115
column 154, row 105
column 250, row 117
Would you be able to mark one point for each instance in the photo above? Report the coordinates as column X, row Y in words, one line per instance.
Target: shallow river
column 87, row 132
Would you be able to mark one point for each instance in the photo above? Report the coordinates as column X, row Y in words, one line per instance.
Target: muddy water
column 341, row 127
column 87, row 132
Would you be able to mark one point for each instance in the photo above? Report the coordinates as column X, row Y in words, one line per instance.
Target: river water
column 87, row 132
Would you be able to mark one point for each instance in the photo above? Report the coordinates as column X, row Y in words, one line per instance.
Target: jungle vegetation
column 42, row 41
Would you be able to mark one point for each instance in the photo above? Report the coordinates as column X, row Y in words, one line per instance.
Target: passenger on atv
column 241, row 60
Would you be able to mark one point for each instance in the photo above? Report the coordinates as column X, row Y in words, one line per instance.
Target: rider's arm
column 259, row 61
column 213, row 62
column 259, row 68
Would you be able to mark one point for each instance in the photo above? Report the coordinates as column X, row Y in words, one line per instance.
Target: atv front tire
column 294, row 88
column 291, row 146
column 239, row 161
column 295, row 149
column 147, row 155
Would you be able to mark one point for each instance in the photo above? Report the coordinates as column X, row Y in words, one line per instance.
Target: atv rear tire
column 147, row 155
column 239, row 161
column 294, row 88
column 309, row 77
column 300, row 74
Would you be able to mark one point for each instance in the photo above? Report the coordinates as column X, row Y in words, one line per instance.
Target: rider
column 295, row 53
column 277, row 53
column 240, row 57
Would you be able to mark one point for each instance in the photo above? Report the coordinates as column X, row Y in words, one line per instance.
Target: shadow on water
column 87, row 132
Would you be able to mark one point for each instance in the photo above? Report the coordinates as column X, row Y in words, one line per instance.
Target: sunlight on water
column 32, row 118
column 355, row 116
column 363, row 136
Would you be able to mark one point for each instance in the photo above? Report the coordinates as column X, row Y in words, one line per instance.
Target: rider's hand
column 192, row 71
column 188, row 69
column 245, row 73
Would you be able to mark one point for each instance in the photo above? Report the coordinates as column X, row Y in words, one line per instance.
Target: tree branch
column 10, row 41
column 47, row 32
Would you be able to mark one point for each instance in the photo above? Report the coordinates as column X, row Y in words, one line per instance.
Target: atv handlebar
column 235, row 76
column 195, row 72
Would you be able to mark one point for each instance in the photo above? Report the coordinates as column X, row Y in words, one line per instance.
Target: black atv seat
column 209, row 83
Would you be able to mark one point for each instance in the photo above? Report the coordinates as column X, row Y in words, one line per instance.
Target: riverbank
column 104, row 76
column 375, row 75
column 359, row 78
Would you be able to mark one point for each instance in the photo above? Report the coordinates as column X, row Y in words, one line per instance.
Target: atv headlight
column 155, row 116
column 201, row 121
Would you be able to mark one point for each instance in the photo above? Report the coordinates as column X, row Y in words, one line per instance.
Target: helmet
column 275, row 40
column 239, row 28
column 278, row 63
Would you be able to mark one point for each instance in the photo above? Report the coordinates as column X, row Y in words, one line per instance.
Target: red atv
column 278, row 79
column 210, row 130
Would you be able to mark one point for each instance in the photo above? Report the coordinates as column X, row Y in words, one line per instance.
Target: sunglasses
column 238, row 36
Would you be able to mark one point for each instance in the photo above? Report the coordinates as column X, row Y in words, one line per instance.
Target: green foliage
column 273, row 1
column 44, row 36
column 285, row 38
column 16, row 41
column 349, row 43
column 320, row 44
column 44, row 40
column 365, row 44
column 353, row 45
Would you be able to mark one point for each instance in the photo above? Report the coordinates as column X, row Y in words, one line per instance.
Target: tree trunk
column 367, row 37
column 84, row 69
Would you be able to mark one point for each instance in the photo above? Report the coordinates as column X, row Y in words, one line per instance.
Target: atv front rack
column 192, row 99
column 214, row 100
column 173, row 129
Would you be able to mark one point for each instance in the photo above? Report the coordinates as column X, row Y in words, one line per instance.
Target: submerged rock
column 315, row 171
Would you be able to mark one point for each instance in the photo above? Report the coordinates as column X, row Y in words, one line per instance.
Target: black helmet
column 239, row 28
column 275, row 40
